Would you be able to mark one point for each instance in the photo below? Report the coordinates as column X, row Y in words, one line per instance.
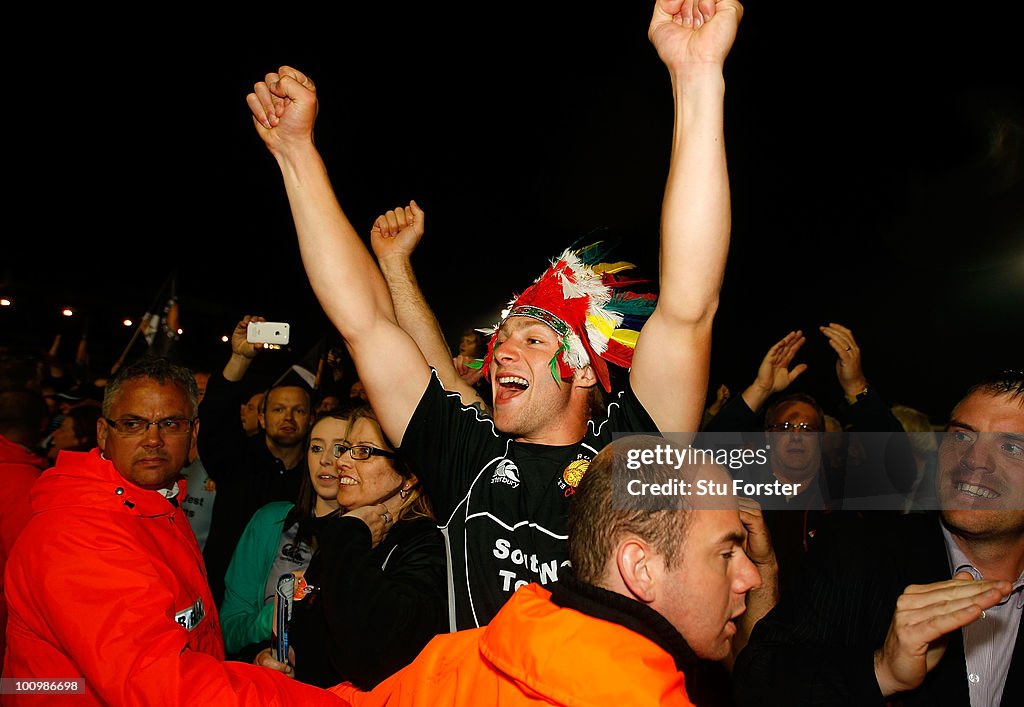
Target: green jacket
column 244, row 617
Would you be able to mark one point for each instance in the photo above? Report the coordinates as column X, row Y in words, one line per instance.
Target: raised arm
column 394, row 237
column 671, row 362
column 776, row 372
column 341, row 270
column 221, row 436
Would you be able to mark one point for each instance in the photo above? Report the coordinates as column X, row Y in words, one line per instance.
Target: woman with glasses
column 375, row 591
column 280, row 537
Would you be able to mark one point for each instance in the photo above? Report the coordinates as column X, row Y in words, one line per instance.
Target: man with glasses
column 924, row 609
column 792, row 434
column 793, row 427
column 106, row 586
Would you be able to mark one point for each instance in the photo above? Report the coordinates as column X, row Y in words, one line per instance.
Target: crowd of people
column 463, row 527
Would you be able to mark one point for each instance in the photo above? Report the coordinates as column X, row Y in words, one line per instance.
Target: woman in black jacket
column 375, row 591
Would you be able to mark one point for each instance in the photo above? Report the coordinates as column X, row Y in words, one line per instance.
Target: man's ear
column 638, row 567
column 102, row 430
column 584, row 377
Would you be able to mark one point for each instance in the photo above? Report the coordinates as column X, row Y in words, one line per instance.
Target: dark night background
column 875, row 158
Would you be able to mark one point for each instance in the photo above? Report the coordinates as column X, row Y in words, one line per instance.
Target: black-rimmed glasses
column 360, row 452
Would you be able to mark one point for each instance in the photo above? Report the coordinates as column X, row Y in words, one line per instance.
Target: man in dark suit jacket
column 916, row 610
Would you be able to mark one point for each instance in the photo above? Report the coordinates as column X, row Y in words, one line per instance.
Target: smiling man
column 106, row 585
column 926, row 609
column 501, row 487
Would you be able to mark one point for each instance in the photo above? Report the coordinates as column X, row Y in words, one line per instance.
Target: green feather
column 553, row 363
column 594, row 253
column 627, row 303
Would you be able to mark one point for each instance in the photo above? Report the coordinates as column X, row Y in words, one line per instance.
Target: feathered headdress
column 582, row 300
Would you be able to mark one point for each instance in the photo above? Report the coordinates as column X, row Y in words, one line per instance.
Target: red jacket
column 533, row 653
column 107, row 583
column 19, row 469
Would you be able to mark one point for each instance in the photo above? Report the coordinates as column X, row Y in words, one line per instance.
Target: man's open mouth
column 514, row 382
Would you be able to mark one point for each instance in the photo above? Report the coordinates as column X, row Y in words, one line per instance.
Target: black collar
column 707, row 682
column 570, row 593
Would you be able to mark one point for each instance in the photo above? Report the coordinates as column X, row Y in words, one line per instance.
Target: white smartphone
column 268, row 333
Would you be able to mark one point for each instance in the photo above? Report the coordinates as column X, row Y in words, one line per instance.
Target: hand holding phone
column 268, row 333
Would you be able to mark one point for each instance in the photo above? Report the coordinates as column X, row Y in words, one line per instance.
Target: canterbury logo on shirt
column 506, row 472
column 189, row 618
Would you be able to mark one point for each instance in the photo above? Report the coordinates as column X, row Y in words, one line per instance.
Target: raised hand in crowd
column 393, row 238
column 468, row 373
column 849, row 369
column 721, row 398
column 776, row 372
column 284, row 108
column 242, row 350
column 397, row 232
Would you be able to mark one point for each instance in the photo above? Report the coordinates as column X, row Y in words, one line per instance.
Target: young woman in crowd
column 375, row 591
column 280, row 538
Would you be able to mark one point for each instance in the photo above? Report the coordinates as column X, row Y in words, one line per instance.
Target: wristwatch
column 854, row 399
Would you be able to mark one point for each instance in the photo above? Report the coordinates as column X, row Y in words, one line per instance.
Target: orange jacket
column 19, row 469
column 533, row 653
column 106, row 583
